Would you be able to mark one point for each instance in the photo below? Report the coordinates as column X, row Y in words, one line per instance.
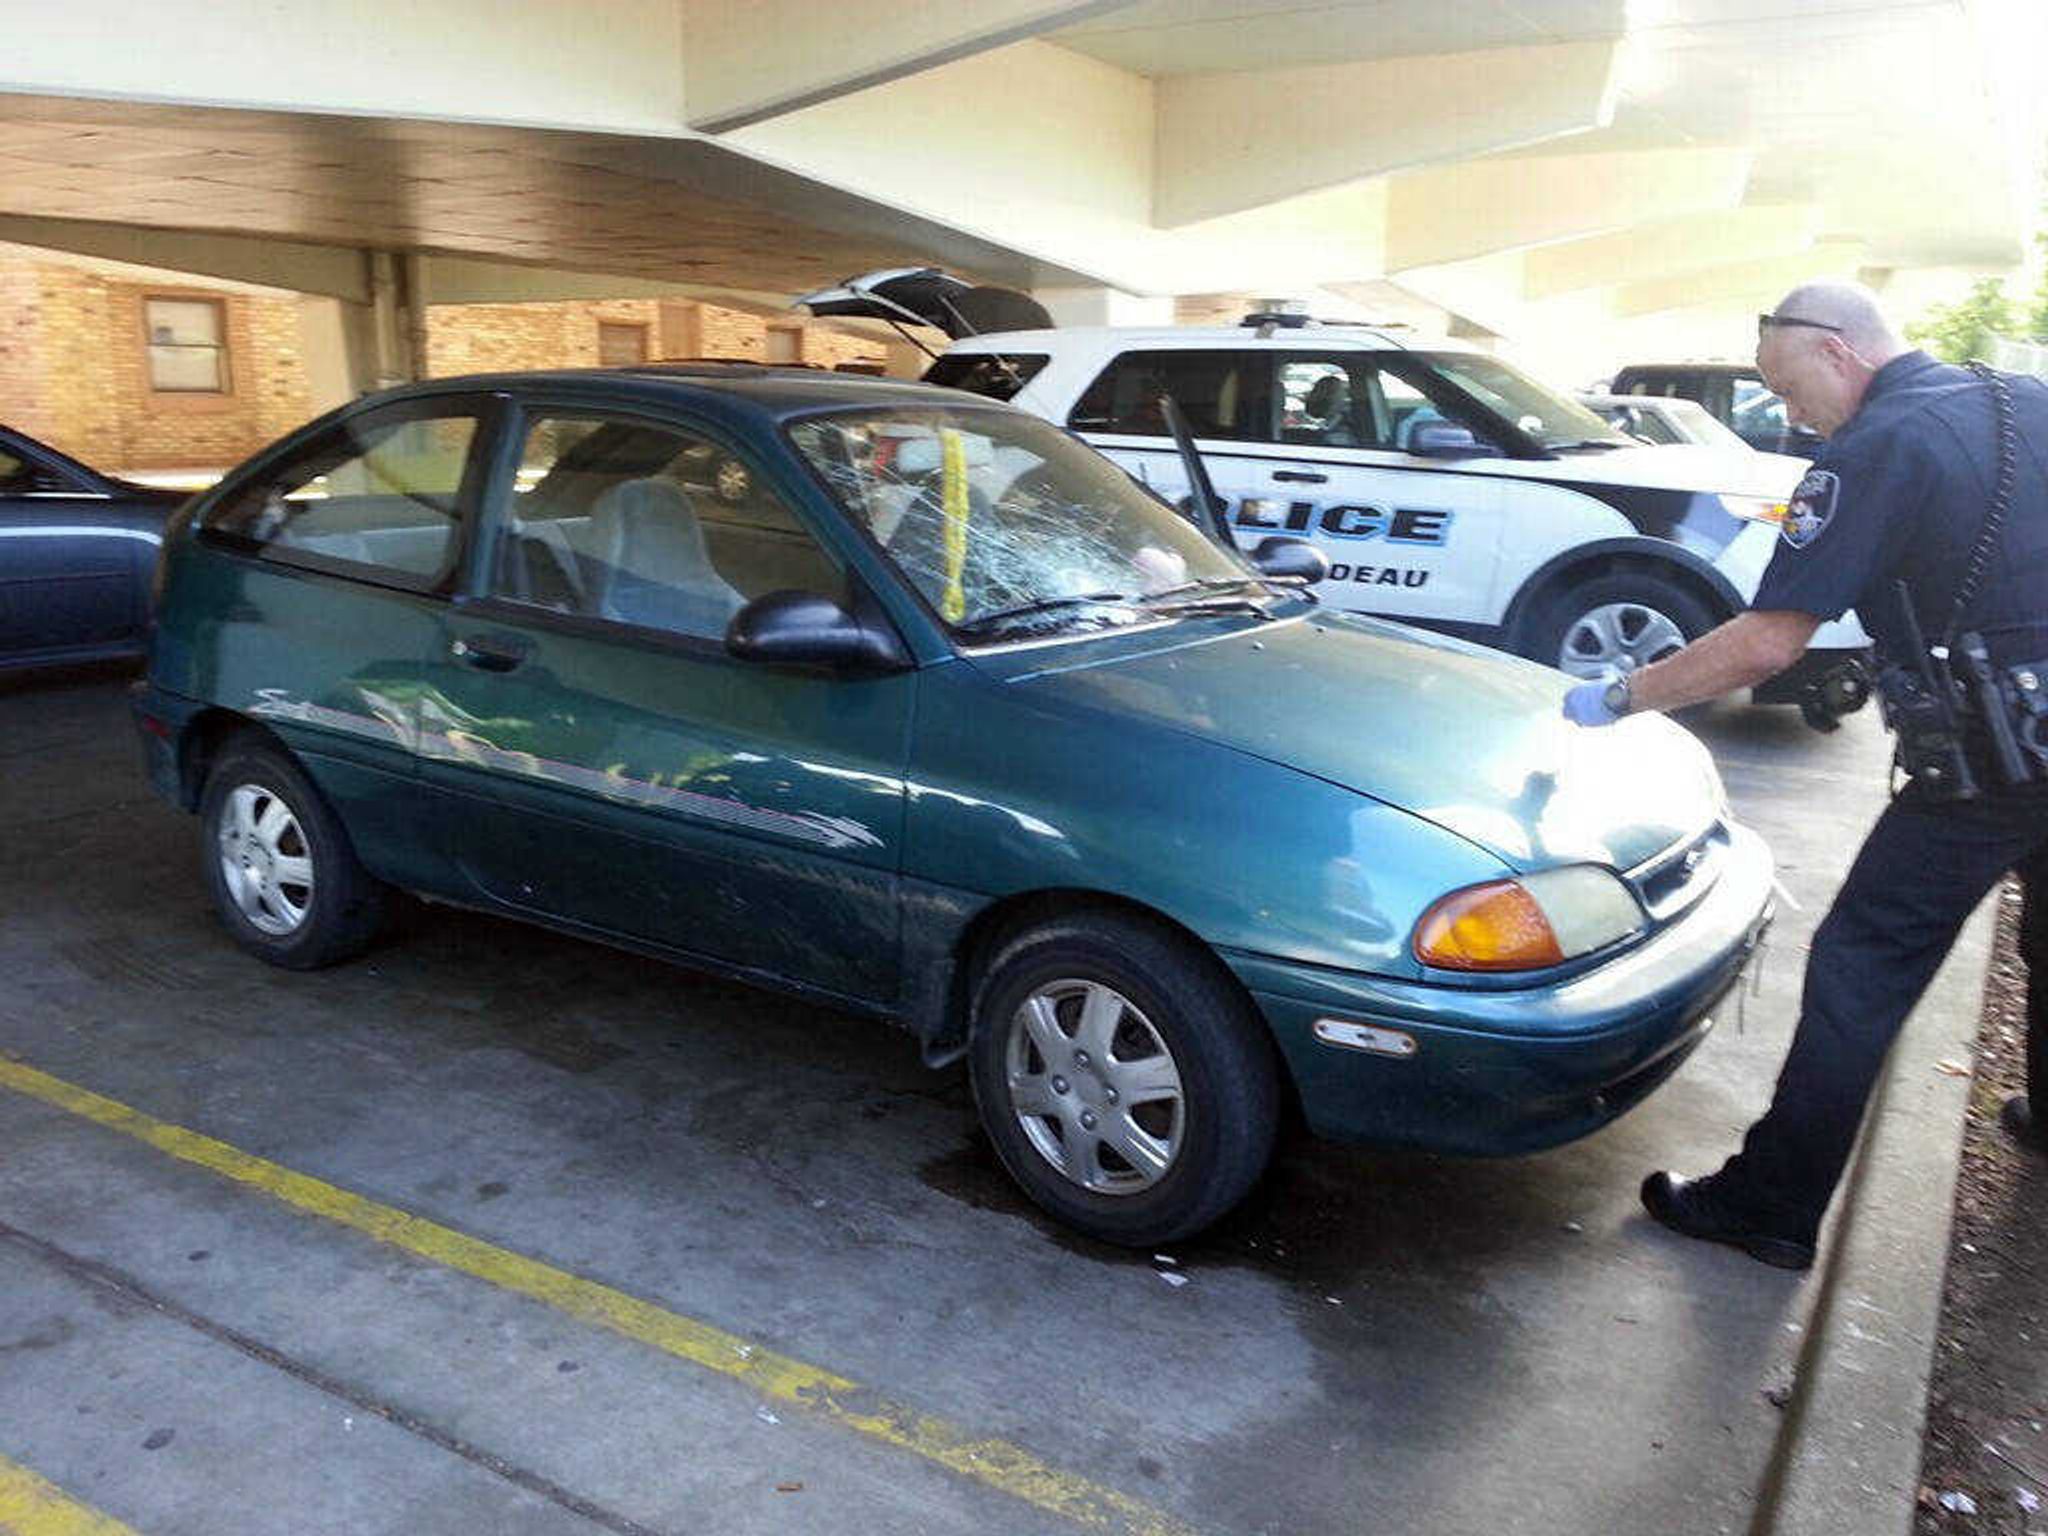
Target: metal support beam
column 335, row 271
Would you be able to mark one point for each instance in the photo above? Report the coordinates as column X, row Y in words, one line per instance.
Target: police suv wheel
column 1615, row 624
column 1125, row 1084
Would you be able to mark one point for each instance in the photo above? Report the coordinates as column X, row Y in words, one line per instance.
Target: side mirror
column 812, row 631
column 1447, row 440
column 1291, row 560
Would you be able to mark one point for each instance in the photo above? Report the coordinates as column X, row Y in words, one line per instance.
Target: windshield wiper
column 984, row 621
column 1587, row 445
column 1214, row 594
column 1206, row 584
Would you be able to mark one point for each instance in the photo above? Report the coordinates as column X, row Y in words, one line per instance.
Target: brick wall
column 74, row 368
column 74, row 371
column 486, row 338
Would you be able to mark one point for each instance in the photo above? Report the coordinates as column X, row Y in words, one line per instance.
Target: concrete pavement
column 1374, row 1343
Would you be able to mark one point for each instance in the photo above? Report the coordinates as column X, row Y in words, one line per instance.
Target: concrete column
column 395, row 349
column 324, row 344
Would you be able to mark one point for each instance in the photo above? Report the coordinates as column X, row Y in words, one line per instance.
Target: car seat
column 652, row 564
column 1328, row 406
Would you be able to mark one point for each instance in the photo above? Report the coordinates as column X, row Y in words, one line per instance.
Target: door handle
column 1301, row 476
column 497, row 654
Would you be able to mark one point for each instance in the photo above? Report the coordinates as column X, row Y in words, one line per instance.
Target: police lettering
column 1397, row 525
column 1378, row 575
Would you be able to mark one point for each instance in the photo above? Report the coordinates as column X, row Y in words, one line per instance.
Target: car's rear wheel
column 1127, row 1086
column 284, row 877
column 1615, row 624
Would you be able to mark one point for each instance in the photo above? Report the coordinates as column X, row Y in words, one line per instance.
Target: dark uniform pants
column 1921, row 872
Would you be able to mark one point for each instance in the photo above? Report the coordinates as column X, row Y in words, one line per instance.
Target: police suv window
column 996, row 376
column 1223, row 394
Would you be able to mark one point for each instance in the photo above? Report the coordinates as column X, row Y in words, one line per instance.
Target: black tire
column 341, row 905
column 1174, row 1004
column 1557, row 616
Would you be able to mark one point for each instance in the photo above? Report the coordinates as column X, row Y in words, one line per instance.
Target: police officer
column 1900, row 493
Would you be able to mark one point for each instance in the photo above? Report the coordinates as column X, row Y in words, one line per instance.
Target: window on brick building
column 785, row 344
column 188, row 345
column 620, row 346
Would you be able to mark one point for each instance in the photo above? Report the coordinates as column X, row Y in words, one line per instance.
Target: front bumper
column 1493, row 1073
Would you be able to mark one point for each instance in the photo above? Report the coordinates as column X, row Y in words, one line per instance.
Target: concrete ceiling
column 1165, row 38
column 1892, row 118
column 678, row 209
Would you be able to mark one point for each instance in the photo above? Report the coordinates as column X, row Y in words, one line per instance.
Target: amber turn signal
column 1492, row 927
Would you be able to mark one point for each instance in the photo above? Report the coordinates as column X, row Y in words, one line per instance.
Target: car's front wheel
column 1127, row 1087
column 286, row 881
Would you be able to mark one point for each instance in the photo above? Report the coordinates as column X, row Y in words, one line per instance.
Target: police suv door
column 1407, row 536
column 1312, row 444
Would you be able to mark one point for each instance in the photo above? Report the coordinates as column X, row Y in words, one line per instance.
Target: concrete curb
column 1848, row 1456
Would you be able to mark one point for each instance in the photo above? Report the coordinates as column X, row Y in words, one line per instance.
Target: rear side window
column 381, row 496
column 1223, row 394
column 993, row 375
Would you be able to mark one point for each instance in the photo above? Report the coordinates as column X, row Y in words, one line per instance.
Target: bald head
column 1826, row 345
column 1852, row 310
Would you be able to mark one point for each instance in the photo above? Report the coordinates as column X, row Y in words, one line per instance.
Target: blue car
column 77, row 549
column 913, row 704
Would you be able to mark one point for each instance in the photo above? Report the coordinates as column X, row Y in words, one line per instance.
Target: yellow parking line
column 996, row 1463
column 29, row 1506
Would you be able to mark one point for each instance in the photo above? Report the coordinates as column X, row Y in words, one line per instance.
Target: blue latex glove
column 1587, row 705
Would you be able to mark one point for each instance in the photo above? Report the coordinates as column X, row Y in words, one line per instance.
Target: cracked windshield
column 1006, row 525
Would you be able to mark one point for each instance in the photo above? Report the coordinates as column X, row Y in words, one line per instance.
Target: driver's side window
column 640, row 523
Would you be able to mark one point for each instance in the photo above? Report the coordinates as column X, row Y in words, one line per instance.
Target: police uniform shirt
column 1900, row 493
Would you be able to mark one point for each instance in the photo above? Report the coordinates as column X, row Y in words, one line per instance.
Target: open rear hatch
column 927, row 296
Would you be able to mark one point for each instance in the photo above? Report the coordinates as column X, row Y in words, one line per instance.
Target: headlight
column 1754, row 509
column 1526, row 924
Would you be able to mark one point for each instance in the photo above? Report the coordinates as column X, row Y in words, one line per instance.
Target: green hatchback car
column 913, row 704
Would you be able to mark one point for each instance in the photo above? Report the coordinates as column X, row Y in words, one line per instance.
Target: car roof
column 1124, row 338
column 1745, row 370
column 1644, row 402
column 777, row 391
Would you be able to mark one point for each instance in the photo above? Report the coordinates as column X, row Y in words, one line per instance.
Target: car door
column 599, row 759
column 69, row 562
column 325, row 568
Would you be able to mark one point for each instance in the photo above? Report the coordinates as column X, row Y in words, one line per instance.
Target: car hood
column 1671, row 467
column 1464, row 737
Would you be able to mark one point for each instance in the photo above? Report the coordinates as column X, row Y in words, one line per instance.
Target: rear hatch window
column 992, row 375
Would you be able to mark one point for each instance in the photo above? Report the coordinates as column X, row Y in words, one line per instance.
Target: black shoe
column 1688, row 1206
column 2018, row 1119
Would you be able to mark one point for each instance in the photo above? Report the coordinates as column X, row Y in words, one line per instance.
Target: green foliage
column 2037, row 319
column 1964, row 330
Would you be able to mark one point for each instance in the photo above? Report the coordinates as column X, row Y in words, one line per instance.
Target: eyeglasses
column 1765, row 322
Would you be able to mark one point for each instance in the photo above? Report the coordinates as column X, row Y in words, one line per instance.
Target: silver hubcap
column 1094, row 1088
column 265, row 860
column 1618, row 638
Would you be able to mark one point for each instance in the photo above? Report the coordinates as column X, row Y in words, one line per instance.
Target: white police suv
column 1446, row 487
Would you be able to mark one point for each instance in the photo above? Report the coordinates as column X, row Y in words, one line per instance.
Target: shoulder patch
column 1811, row 509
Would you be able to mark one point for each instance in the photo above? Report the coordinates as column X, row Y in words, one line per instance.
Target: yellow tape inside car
column 953, row 504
